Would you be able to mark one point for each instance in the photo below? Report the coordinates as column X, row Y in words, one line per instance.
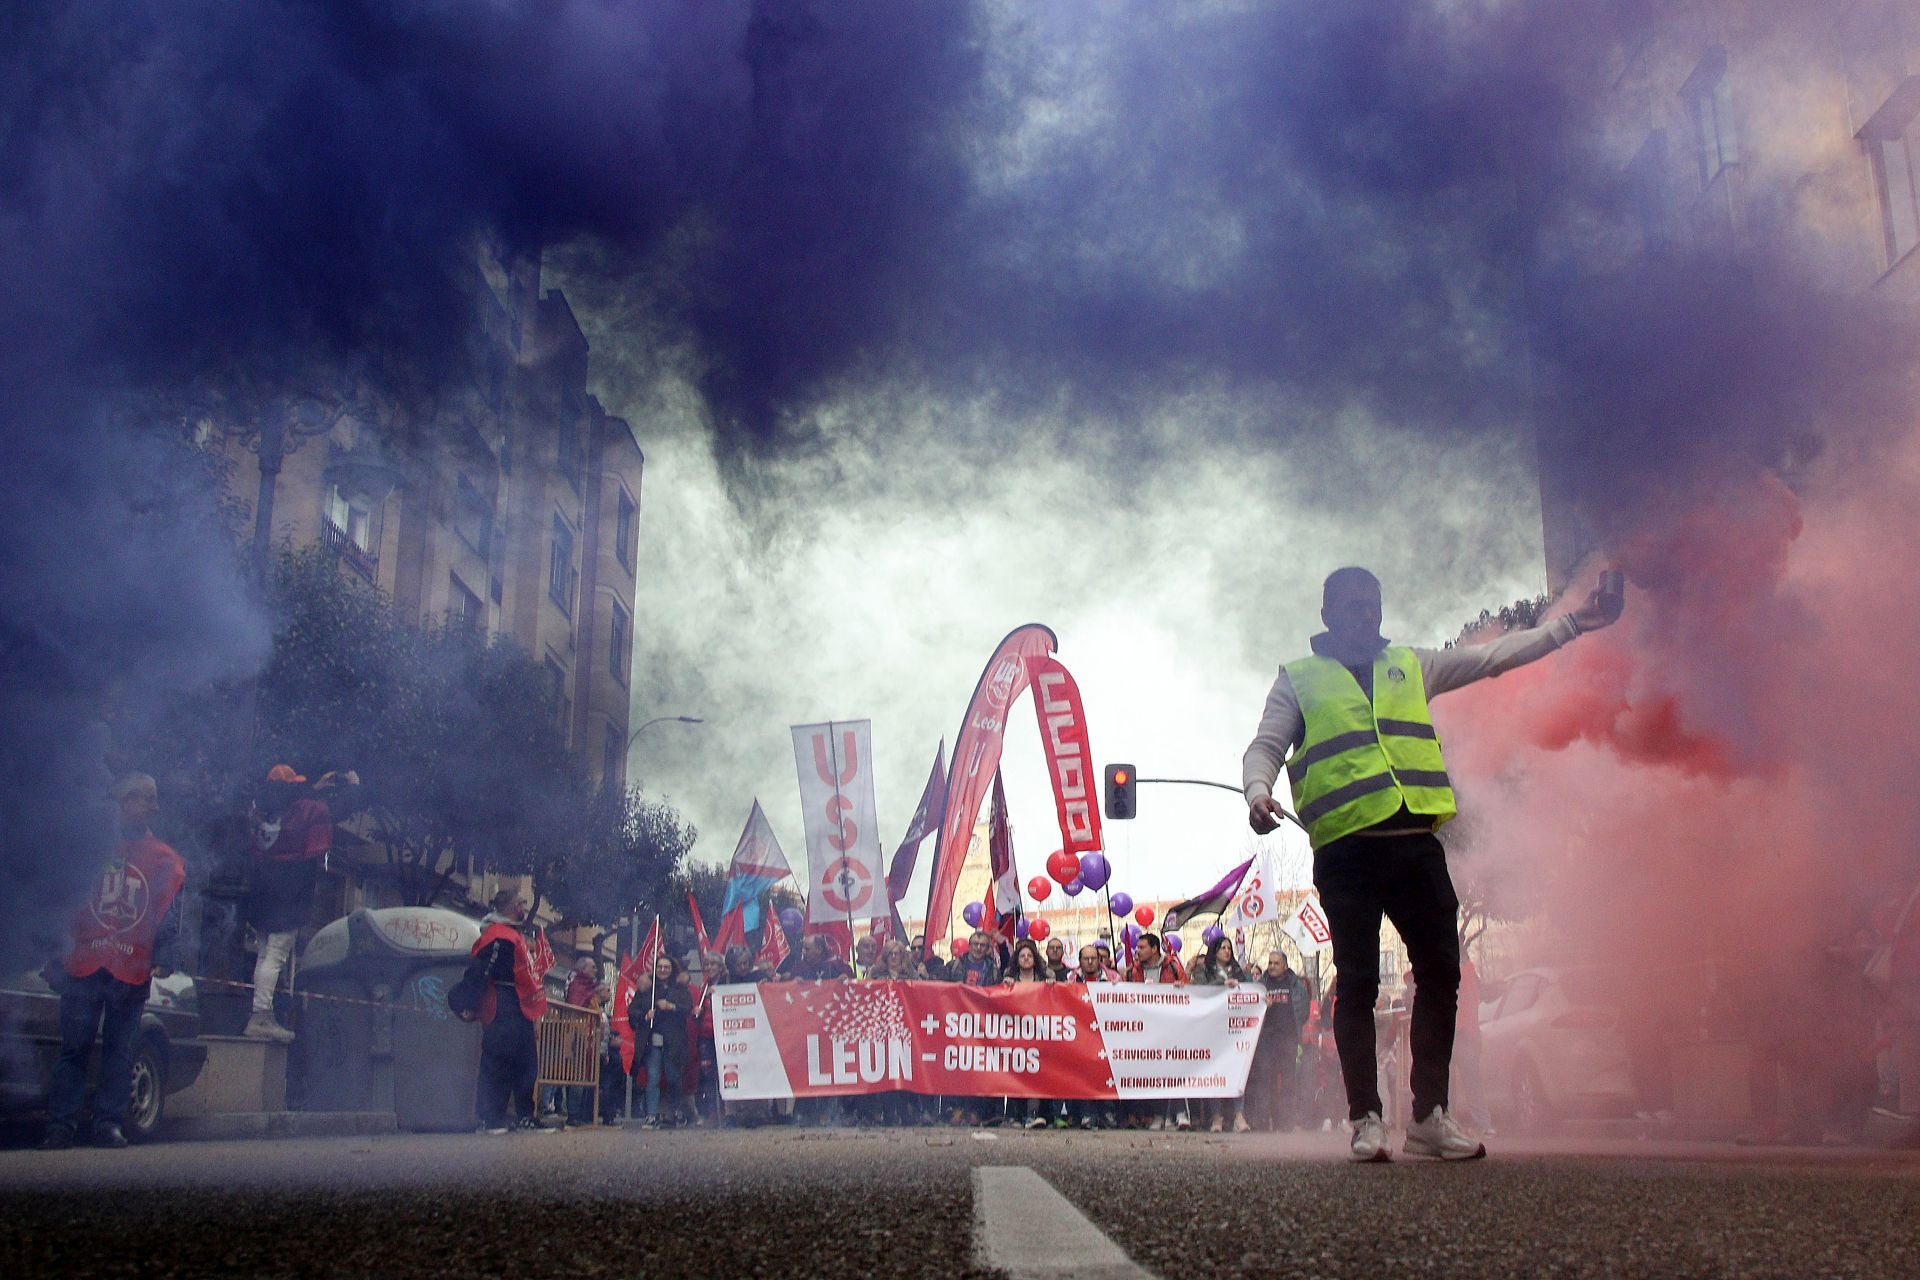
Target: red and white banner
column 846, row 879
column 976, row 756
column 1256, row 903
column 1308, row 927
column 1057, row 1040
column 1063, row 734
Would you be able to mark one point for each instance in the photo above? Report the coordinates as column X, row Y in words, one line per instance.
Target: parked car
column 168, row 1057
column 1552, row 1048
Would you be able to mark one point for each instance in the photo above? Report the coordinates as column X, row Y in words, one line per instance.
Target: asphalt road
column 901, row 1203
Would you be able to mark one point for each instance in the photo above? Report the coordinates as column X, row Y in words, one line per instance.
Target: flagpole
column 833, row 749
column 633, row 949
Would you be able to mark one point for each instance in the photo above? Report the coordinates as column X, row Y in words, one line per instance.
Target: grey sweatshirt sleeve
column 1447, row 669
column 1280, row 726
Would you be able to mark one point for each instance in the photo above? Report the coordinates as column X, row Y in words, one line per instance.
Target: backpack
column 464, row 996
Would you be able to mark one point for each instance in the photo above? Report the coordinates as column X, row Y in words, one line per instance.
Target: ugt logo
column 121, row 900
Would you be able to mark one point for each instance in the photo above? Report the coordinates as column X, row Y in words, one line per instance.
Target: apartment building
column 1714, row 105
column 514, row 509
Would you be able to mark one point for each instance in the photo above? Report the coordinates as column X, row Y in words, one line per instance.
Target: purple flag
column 1213, row 900
column 926, row 820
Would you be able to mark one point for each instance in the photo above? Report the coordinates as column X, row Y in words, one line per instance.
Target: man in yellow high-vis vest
column 1370, row 784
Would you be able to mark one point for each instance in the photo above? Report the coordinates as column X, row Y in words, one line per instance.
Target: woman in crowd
column 659, row 1016
column 1026, row 967
column 1218, row 968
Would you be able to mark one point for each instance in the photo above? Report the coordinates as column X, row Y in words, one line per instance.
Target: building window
column 473, row 519
column 625, row 530
column 463, row 606
column 614, row 756
column 1899, row 203
column 557, row 691
column 568, row 459
column 1651, row 192
column 617, row 655
column 1709, row 102
column 562, row 577
column 352, row 528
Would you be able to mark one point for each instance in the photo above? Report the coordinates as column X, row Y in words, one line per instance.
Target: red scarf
column 115, row 930
column 526, row 983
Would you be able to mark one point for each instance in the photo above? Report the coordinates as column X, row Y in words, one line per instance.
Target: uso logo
column 736, row 1001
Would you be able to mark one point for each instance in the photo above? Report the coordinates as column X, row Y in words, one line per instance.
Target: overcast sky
column 881, row 577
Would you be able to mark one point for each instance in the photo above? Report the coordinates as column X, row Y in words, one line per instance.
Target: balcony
column 352, row 554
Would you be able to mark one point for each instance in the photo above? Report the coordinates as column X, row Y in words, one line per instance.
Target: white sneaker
column 1183, row 1122
column 261, row 1026
column 1240, row 1125
column 1157, row 1123
column 1441, row 1136
column 1369, row 1140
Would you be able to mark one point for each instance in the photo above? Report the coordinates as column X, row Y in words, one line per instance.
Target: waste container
column 375, row 1032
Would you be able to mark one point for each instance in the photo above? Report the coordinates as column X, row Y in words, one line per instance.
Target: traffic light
column 1121, row 781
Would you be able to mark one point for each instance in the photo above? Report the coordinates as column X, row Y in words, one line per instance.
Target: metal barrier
column 569, row 1038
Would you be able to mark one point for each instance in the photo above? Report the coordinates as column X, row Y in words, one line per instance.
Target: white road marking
column 1029, row 1231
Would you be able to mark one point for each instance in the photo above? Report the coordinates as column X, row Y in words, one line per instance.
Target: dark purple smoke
column 1373, row 206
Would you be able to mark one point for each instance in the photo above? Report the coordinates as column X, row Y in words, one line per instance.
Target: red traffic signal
column 1120, row 799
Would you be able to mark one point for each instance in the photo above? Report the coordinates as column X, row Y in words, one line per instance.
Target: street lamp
column 634, row 736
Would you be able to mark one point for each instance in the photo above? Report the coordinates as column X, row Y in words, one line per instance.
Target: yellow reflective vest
column 1361, row 761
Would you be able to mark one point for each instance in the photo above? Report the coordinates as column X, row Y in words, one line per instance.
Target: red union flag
column 1308, row 927
column 976, row 756
column 624, row 985
column 1051, row 1040
column 1063, row 734
column 846, row 878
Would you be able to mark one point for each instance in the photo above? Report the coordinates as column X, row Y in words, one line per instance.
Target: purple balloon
column 1021, row 929
column 1212, row 934
column 972, row 914
column 1122, row 904
column 1130, row 935
column 1095, row 871
column 1173, row 943
column 791, row 920
column 1072, row 887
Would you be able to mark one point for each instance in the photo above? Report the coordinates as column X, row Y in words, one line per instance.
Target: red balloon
column 1062, row 866
column 1039, row 887
column 1145, row 916
column 1038, row 930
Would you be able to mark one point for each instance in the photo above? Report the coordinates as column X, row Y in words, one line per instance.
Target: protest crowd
column 668, row 1032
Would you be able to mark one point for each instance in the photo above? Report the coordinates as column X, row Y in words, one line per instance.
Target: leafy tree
column 619, row 857
column 1518, row 616
column 453, row 734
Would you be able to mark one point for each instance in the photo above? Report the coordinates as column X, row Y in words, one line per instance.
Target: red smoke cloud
column 1726, row 775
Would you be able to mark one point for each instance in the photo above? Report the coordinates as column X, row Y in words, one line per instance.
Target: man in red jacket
column 120, row 940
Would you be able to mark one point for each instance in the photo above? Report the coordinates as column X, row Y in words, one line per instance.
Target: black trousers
column 509, row 1062
column 1405, row 879
column 1272, row 1082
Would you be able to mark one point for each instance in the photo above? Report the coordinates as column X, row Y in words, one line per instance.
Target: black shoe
column 109, row 1136
column 58, row 1138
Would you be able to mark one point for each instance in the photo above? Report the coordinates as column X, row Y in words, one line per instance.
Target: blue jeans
column 96, row 1004
column 663, row 1062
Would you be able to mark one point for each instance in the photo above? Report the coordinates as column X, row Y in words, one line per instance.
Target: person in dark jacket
column 661, row 1027
column 979, row 967
column 292, row 832
column 121, row 940
column 1218, row 968
column 1273, row 1081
